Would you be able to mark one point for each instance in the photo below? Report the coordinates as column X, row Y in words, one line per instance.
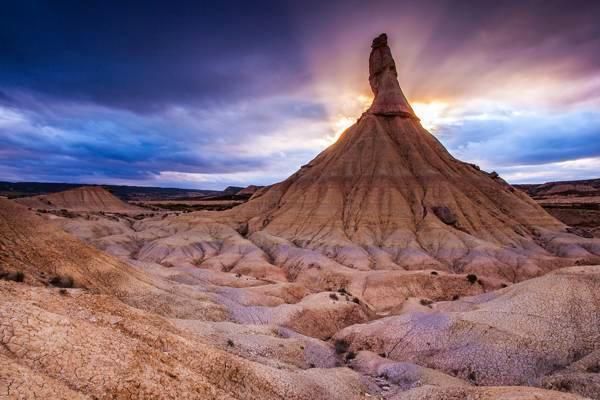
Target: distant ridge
column 584, row 187
column 86, row 198
column 124, row 192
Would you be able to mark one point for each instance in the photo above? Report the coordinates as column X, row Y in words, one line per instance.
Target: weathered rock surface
column 81, row 345
column 514, row 336
column 389, row 99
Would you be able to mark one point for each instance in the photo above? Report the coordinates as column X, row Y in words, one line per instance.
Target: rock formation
column 389, row 99
column 387, row 195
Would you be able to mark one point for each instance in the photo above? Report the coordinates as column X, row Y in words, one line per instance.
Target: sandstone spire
column 388, row 195
column 389, row 99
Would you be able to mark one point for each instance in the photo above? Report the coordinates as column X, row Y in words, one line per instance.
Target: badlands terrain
column 384, row 268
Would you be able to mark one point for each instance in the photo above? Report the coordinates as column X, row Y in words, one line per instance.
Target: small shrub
column 230, row 343
column 333, row 296
column 472, row 376
column 341, row 346
column 503, row 285
column 311, row 365
column 63, row 292
column 563, row 386
column 350, row 356
column 434, row 273
column 356, row 300
column 62, row 281
column 382, row 355
column 594, row 369
column 15, row 276
column 472, row 278
column 342, row 291
column 425, row 302
column 455, row 297
column 238, row 275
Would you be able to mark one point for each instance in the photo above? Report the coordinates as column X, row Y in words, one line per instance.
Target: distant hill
column 126, row 193
column 576, row 203
column 86, row 198
column 581, row 188
column 232, row 189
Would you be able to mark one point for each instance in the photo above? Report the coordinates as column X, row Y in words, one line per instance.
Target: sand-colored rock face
column 87, row 198
column 387, row 195
column 389, row 99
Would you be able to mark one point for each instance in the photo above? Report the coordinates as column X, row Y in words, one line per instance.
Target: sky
column 198, row 94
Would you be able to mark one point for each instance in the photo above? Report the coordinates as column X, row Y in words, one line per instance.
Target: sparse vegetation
column 455, row 297
column 15, row 276
column 594, row 369
column 472, row 278
column 342, row 291
column 356, row 300
column 350, row 356
column 230, row 343
column 563, row 386
column 63, row 292
column 62, row 281
column 333, row 296
column 425, row 302
column 434, row 273
column 341, row 346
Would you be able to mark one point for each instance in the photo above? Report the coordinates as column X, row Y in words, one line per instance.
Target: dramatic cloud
column 523, row 145
column 188, row 94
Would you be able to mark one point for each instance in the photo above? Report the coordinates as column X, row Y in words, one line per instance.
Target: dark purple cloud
column 243, row 92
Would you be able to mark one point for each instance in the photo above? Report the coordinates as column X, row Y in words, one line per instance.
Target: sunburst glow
column 431, row 114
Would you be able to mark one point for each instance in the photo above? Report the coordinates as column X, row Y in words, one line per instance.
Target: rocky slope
column 146, row 331
column 515, row 336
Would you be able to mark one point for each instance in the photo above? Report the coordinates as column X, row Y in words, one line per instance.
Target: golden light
column 364, row 101
column 431, row 114
column 341, row 124
column 348, row 108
